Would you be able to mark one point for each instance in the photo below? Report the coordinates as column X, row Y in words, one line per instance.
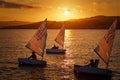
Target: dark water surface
column 78, row 43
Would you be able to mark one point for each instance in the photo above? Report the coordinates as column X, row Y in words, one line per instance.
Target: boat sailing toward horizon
column 59, row 40
column 36, row 44
column 103, row 49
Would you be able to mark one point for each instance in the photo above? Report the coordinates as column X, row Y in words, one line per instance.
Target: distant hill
column 12, row 23
column 96, row 22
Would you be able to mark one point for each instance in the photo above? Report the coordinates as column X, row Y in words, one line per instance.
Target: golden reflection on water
column 79, row 45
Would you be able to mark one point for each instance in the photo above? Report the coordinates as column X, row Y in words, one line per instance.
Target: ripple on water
column 78, row 43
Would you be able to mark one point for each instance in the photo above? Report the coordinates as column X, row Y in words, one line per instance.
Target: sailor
column 96, row 62
column 33, row 56
column 93, row 63
column 55, row 47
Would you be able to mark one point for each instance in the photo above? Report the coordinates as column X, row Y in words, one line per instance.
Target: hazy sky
column 59, row 10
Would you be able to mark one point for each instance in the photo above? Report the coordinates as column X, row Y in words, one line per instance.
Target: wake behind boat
column 37, row 44
column 60, row 40
column 103, row 49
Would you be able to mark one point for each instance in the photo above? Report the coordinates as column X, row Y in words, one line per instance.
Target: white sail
column 104, row 48
column 60, row 37
column 38, row 42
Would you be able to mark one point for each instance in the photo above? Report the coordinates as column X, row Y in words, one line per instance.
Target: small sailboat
column 37, row 44
column 59, row 40
column 103, row 50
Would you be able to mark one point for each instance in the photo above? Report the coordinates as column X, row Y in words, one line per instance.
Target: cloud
column 4, row 4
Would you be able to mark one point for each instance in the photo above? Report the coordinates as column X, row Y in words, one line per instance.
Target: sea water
column 79, row 45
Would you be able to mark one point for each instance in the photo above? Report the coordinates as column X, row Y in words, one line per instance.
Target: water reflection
column 78, row 43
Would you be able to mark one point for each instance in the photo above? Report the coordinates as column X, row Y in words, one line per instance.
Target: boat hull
column 31, row 62
column 92, row 73
column 55, row 51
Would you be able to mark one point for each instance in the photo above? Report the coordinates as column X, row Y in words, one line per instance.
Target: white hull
column 92, row 72
column 55, row 51
column 31, row 62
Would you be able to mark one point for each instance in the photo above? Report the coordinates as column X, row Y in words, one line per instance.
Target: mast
column 38, row 42
column 104, row 48
column 44, row 45
column 60, row 37
column 44, row 38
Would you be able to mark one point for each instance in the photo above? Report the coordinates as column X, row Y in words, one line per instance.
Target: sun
column 66, row 12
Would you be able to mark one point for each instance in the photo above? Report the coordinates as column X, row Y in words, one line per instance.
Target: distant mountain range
column 96, row 22
column 7, row 24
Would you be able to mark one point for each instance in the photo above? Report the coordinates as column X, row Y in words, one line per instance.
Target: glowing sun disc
column 66, row 12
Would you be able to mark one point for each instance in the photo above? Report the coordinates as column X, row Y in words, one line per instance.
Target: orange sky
column 38, row 10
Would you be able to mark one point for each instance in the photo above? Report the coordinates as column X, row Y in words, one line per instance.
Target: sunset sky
column 59, row 10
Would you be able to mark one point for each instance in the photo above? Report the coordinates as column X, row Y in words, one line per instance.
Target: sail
column 38, row 42
column 104, row 48
column 60, row 37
